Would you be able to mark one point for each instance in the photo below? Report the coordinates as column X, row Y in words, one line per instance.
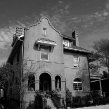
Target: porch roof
column 45, row 41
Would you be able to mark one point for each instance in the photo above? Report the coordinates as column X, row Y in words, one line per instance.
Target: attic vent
column 44, row 28
column 45, row 31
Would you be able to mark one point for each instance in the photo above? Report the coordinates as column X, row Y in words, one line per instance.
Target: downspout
column 21, row 78
column 89, row 74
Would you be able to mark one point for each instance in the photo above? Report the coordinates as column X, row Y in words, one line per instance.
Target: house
column 98, row 78
column 49, row 61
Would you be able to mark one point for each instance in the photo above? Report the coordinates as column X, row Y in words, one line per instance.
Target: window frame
column 77, row 84
column 47, row 56
column 45, row 50
column 77, row 87
column 76, row 64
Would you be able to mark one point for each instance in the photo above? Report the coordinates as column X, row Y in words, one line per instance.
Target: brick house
column 50, row 60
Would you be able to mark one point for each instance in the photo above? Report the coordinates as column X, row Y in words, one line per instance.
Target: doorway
column 45, row 82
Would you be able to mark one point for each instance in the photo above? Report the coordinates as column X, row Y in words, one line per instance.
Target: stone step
column 50, row 103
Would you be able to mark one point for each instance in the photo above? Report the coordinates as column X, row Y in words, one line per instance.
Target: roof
column 49, row 22
column 76, row 48
column 67, row 37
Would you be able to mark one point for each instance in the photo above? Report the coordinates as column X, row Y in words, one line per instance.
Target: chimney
column 77, row 39
column 19, row 31
column 73, row 34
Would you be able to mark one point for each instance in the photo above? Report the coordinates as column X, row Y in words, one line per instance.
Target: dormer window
column 66, row 43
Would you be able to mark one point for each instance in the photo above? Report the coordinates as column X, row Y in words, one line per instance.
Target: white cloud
column 6, row 36
column 106, row 13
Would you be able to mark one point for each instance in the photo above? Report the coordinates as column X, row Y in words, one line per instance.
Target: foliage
column 68, row 98
column 55, row 96
column 10, row 82
column 92, row 99
column 101, row 47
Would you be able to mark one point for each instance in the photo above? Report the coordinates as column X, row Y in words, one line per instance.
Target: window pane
column 77, row 85
column 44, row 55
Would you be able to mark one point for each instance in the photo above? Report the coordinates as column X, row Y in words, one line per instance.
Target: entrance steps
column 50, row 103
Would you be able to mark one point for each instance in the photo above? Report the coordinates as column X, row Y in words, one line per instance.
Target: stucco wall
column 72, row 72
column 54, row 66
column 59, row 63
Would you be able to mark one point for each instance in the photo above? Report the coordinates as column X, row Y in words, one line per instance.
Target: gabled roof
column 49, row 22
column 19, row 39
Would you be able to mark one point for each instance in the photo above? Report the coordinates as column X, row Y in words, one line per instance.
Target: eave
column 67, row 37
column 77, row 49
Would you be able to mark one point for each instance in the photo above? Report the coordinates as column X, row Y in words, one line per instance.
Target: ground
column 96, row 107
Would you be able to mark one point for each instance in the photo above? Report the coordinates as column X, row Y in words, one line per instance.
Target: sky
column 90, row 19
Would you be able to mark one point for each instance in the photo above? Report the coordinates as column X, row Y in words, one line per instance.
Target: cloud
column 87, row 40
column 6, row 37
column 107, row 5
column 89, row 26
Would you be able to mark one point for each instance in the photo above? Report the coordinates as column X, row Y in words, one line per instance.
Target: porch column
column 53, row 84
column 37, row 85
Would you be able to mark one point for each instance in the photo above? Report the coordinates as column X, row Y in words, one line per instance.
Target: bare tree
column 101, row 48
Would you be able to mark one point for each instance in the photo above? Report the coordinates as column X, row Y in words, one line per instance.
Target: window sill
column 44, row 60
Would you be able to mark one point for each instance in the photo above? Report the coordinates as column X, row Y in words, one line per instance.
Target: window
column 76, row 61
column 58, row 83
column 66, row 43
column 77, row 84
column 31, row 83
column 45, row 50
column 44, row 56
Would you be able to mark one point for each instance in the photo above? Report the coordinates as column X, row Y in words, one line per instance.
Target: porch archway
column 45, row 82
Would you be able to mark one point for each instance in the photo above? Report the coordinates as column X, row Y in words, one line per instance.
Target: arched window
column 77, row 84
column 31, row 82
column 58, row 83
